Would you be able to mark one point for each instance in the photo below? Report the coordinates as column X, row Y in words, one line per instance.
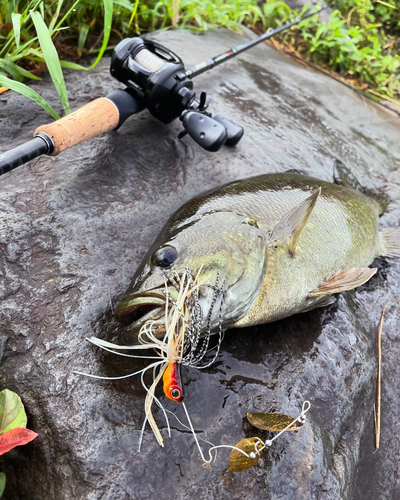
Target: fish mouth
column 139, row 307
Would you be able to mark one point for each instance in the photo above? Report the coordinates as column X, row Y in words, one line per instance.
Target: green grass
column 51, row 58
column 27, row 44
column 360, row 42
column 28, row 92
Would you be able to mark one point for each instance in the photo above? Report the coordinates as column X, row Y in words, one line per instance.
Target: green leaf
column 2, row 483
column 51, row 57
column 12, row 412
column 134, row 10
column 71, row 65
column 108, row 12
column 16, row 22
column 31, row 5
column 16, row 71
column 5, row 69
column 238, row 462
column 55, row 16
column 60, row 23
column 124, row 3
column 83, row 33
column 23, row 89
column 273, row 422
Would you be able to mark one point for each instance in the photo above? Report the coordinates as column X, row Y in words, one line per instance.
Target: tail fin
column 390, row 239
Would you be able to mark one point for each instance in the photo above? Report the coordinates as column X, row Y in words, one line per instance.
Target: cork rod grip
column 93, row 119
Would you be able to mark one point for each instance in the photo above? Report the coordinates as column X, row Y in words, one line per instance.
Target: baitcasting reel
column 156, row 78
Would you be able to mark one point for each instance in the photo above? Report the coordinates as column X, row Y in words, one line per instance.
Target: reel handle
column 235, row 132
column 206, row 131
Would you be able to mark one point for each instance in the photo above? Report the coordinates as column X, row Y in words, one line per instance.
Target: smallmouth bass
column 278, row 244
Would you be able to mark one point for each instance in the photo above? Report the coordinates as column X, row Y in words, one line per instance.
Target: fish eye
column 176, row 393
column 166, row 256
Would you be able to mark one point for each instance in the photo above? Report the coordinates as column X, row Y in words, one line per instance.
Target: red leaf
column 15, row 437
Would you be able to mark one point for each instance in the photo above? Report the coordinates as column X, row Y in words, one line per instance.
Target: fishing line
column 301, row 418
column 189, row 353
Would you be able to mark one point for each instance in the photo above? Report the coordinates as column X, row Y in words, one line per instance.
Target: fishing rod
column 156, row 79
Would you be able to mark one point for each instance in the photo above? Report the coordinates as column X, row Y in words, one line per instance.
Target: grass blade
column 71, row 65
column 108, row 13
column 56, row 15
column 378, row 416
column 135, row 8
column 51, row 57
column 35, row 55
column 23, row 89
column 126, row 4
column 16, row 22
column 5, row 69
column 65, row 16
column 16, row 71
column 84, row 30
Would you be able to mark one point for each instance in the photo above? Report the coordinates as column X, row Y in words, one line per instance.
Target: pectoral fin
column 322, row 301
column 343, row 281
column 290, row 227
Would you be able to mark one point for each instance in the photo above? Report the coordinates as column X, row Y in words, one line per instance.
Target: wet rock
column 74, row 227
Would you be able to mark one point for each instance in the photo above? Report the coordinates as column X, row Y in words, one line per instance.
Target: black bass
column 278, row 244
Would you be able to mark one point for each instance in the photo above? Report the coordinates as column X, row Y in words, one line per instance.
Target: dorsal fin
column 290, row 227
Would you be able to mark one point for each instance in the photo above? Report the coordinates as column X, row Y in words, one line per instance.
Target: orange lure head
column 172, row 383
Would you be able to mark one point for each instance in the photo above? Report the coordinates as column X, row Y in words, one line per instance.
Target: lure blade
column 273, row 422
column 238, row 462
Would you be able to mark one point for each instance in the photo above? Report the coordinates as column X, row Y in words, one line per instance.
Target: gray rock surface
column 74, row 227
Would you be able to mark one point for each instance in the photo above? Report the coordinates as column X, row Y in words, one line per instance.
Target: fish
column 263, row 248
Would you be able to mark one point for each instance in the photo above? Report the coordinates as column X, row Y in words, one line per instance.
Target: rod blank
column 216, row 61
column 25, row 152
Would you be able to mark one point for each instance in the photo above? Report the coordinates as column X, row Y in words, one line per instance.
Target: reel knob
column 235, row 132
column 207, row 132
